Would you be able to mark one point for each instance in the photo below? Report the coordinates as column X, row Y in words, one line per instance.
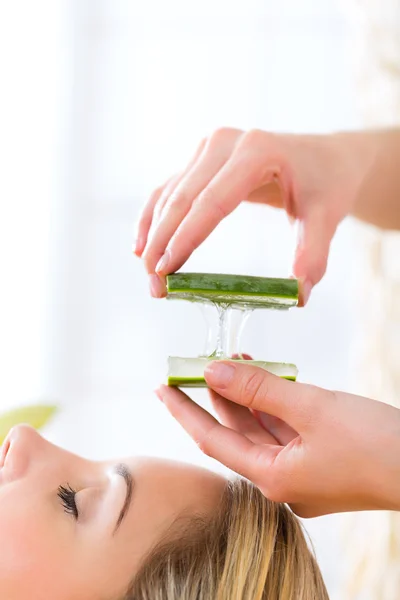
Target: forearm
column 378, row 152
column 380, row 459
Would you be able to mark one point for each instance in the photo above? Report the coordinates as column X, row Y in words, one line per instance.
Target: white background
column 100, row 102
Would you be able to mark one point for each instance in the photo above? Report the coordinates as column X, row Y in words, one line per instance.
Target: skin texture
column 316, row 179
column 318, row 450
column 45, row 553
column 378, row 202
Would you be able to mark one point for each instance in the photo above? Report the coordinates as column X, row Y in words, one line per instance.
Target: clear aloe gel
column 235, row 327
column 224, row 329
column 226, row 303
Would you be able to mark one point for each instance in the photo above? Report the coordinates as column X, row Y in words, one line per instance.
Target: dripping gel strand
column 225, row 325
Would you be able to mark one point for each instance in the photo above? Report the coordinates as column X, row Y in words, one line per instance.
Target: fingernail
column 306, row 288
column 138, row 246
column 162, row 264
column 159, row 395
column 219, row 374
column 291, row 219
column 157, row 287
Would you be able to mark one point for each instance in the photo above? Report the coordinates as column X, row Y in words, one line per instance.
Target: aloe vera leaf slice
column 36, row 415
column 234, row 290
column 189, row 372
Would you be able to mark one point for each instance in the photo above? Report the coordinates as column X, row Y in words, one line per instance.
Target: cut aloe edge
column 242, row 291
column 189, row 372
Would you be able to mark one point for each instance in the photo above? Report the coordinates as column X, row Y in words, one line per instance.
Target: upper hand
column 314, row 178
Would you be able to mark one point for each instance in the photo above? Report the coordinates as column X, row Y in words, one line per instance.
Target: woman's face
column 86, row 545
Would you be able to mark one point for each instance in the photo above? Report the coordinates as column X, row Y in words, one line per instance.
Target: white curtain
column 34, row 76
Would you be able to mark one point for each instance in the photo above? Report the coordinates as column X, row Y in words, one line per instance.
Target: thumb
column 295, row 403
column 316, row 232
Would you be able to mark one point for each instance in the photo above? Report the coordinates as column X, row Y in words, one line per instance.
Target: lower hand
column 320, row 451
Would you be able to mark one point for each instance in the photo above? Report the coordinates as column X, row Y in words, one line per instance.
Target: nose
column 22, row 446
column 25, row 435
column 30, row 455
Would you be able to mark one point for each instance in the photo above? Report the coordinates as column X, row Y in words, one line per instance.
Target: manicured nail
column 218, row 375
column 306, row 291
column 162, row 264
column 157, row 287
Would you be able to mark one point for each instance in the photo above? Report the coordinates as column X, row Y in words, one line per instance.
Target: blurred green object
column 36, row 415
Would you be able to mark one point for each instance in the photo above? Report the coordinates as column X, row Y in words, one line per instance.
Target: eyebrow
column 122, row 470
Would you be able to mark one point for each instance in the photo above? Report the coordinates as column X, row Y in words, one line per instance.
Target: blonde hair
column 253, row 549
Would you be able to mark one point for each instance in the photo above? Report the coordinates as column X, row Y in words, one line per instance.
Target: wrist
column 393, row 496
column 374, row 180
column 388, row 471
column 358, row 152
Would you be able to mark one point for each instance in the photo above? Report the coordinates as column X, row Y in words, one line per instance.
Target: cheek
column 24, row 551
column 40, row 558
column 20, row 537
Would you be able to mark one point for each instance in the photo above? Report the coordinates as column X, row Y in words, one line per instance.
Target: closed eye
column 67, row 496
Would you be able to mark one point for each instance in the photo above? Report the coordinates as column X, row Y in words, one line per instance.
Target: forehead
column 181, row 483
column 163, row 491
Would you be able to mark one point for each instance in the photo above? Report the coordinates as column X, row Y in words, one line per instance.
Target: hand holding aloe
column 320, row 451
column 316, row 179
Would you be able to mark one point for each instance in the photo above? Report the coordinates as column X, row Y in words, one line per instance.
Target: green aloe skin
column 199, row 382
column 244, row 291
column 36, row 415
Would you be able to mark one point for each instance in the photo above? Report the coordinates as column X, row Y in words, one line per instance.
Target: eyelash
column 67, row 497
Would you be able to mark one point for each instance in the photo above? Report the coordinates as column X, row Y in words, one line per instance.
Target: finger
column 299, row 405
column 246, row 169
column 269, row 193
column 261, row 418
column 158, row 208
column 230, row 448
column 240, row 419
column 167, row 190
column 157, row 286
column 316, row 233
column 281, row 431
column 144, row 222
column 213, row 156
